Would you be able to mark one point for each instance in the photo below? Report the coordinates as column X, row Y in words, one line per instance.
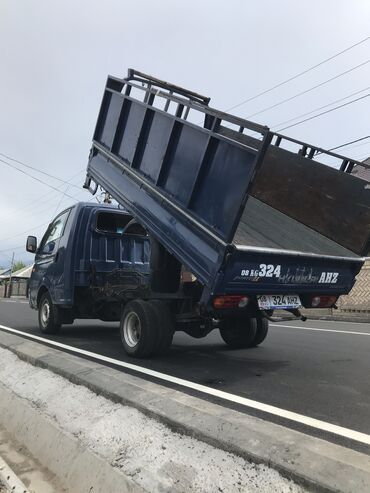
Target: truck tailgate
column 268, row 271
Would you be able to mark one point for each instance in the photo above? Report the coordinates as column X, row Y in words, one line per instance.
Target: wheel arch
column 42, row 290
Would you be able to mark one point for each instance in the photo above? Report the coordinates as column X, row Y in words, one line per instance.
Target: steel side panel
column 200, row 253
column 185, row 164
column 132, row 129
column 223, row 186
column 211, row 186
column 156, row 147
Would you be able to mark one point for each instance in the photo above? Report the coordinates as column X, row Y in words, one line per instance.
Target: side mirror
column 31, row 245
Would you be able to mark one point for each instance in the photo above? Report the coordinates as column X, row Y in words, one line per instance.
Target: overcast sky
column 55, row 57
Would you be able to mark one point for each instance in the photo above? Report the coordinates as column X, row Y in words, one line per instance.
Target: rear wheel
column 239, row 333
column 139, row 329
column 262, row 330
column 165, row 324
column 49, row 315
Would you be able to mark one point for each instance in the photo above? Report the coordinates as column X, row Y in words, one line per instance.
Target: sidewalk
column 117, row 428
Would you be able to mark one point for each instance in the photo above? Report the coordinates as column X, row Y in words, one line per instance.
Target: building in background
column 19, row 282
column 4, row 272
column 358, row 300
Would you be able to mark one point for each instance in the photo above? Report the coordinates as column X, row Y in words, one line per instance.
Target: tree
column 18, row 265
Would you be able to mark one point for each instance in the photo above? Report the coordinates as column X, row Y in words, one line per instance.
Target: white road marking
column 324, row 320
column 276, row 411
column 13, row 301
column 321, row 330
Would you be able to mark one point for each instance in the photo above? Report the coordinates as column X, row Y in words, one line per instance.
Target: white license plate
column 278, row 301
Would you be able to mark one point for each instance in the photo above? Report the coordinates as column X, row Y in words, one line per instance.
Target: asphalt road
column 318, row 368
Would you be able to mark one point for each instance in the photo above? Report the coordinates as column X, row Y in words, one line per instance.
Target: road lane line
column 325, row 320
column 260, row 406
column 13, row 301
column 321, row 330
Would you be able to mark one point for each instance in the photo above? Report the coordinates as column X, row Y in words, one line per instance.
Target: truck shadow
column 216, row 364
column 210, row 362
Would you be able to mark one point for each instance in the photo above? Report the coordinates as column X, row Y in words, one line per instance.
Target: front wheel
column 49, row 316
column 239, row 333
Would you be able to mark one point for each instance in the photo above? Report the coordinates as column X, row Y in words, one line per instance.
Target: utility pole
column 10, row 276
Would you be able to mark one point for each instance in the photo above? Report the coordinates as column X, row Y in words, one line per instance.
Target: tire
column 239, row 333
column 139, row 329
column 49, row 315
column 165, row 324
column 262, row 330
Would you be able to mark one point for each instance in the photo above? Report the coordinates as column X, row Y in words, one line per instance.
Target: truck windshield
column 53, row 233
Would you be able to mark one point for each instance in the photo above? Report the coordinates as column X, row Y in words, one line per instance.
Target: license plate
column 278, row 301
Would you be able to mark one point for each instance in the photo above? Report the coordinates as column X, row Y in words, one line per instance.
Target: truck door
column 49, row 262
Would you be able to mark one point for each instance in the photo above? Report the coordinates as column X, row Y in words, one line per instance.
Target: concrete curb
column 10, row 480
column 316, row 464
column 78, row 469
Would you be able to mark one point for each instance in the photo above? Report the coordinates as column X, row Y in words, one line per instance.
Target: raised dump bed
column 248, row 212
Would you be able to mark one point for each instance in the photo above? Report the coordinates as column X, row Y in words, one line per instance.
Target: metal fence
column 18, row 287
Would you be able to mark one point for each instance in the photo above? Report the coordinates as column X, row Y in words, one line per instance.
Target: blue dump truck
column 220, row 223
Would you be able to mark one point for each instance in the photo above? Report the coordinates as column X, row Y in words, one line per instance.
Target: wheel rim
column 132, row 329
column 45, row 313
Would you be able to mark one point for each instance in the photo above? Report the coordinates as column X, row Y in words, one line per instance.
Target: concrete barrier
column 315, row 463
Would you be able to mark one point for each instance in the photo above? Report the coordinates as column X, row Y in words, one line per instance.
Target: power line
column 309, row 89
column 7, row 256
column 348, row 143
column 359, row 145
column 33, row 228
column 37, row 202
column 59, row 203
column 40, row 225
column 298, row 75
column 10, row 249
column 319, row 108
column 324, row 112
column 35, row 169
column 23, row 232
column 33, row 177
column 358, row 157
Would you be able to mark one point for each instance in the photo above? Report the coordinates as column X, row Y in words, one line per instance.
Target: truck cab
column 75, row 264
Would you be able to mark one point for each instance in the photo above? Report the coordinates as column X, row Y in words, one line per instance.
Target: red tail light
column 230, row 301
column 323, row 301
